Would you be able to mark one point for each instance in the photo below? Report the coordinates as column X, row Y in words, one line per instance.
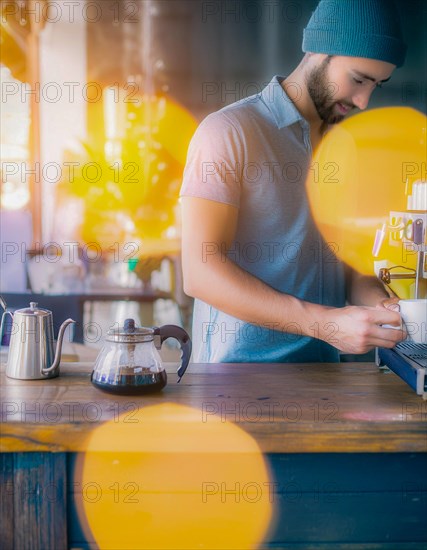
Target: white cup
column 414, row 315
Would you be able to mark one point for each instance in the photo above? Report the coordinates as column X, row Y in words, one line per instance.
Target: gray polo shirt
column 255, row 155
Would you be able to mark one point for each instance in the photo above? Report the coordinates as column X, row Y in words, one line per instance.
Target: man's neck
column 296, row 89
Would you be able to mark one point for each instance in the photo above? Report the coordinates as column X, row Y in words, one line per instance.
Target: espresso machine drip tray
column 413, row 352
column 409, row 361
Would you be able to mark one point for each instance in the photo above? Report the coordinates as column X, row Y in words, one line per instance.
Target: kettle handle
column 173, row 331
column 2, row 323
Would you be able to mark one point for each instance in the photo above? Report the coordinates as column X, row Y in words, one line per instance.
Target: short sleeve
column 214, row 162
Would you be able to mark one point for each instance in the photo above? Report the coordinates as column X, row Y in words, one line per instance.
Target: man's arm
column 365, row 290
column 208, row 231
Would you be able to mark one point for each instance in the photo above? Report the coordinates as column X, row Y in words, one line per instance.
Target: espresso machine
column 407, row 230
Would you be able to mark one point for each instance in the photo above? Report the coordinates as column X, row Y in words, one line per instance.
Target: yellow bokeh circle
column 170, row 476
column 362, row 171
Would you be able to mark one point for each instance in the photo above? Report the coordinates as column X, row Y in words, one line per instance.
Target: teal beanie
column 357, row 28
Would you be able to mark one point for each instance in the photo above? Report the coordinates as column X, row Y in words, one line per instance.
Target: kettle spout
column 57, row 359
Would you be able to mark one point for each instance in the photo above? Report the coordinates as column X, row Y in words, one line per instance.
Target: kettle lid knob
column 129, row 325
column 33, row 305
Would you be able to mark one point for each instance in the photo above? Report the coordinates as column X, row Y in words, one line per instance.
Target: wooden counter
column 293, row 408
column 351, row 423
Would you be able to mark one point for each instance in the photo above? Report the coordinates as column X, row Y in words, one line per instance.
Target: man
column 266, row 285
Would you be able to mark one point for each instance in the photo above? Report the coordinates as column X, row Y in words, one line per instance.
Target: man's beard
column 322, row 94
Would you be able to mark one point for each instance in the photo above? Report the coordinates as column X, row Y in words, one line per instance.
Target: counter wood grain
column 287, row 408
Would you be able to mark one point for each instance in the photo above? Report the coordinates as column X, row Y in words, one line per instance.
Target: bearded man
column 267, row 287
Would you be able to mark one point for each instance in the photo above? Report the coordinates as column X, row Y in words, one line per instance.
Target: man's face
column 339, row 84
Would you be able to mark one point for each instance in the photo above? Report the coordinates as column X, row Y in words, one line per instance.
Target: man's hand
column 389, row 303
column 355, row 329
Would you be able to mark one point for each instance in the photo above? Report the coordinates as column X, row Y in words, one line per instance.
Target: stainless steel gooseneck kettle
column 31, row 351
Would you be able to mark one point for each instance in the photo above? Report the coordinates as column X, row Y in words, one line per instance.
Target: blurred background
column 99, row 100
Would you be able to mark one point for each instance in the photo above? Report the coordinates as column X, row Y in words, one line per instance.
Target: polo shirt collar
column 279, row 103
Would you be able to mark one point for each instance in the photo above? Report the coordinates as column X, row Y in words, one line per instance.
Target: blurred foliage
column 130, row 185
column 16, row 23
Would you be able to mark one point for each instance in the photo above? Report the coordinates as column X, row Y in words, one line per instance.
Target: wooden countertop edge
column 363, row 437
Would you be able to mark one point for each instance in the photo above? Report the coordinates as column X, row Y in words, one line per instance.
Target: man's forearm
column 365, row 290
column 227, row 287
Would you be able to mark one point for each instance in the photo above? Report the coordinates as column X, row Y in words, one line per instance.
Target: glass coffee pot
column 129, row 362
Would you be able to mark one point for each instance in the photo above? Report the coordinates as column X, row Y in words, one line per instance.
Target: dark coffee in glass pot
column 129, row 363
